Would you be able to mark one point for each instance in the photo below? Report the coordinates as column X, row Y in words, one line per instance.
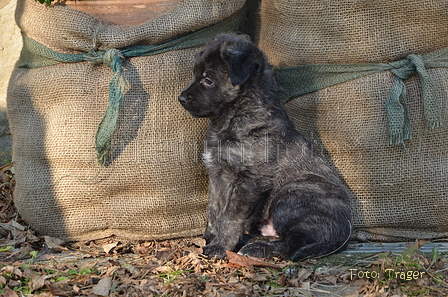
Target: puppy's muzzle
column 183, row 99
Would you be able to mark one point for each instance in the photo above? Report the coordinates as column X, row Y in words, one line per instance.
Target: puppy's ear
column 241, row 66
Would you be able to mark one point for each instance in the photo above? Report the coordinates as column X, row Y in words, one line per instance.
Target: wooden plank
column 124, row 12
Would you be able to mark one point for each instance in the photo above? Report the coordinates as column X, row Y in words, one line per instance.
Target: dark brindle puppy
column 265, row 180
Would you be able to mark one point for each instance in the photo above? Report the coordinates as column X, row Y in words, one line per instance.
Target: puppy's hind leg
column 308, row 224
column 265, row 247
column 273, row 246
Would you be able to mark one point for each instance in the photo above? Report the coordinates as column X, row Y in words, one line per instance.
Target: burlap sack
column 398, row 192
column 153, row 185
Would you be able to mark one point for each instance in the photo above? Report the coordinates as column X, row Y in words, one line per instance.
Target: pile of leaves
column 34, row 265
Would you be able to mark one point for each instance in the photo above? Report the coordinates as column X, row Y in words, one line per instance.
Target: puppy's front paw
column 212, row 250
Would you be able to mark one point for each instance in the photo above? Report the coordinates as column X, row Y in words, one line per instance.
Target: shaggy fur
column 269, row 193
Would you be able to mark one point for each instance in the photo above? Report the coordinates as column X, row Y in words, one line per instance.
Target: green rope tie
column 103, row 139
column 304, row 79
column 35, row 55
column 398, row 115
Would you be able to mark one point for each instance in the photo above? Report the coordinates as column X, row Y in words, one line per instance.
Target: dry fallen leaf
column 22, row 253
column 103, row 287
column 11, row 269
column 306, row 286
column 58, row 289
column 37, row 282
column 304, row 274
column 7, row 292
column 111, row 270
column 4, row 178
column 132, row 269
column 237, row 260
column 108, row 247
column 16, row 225
column 255, row 277
column 55, row 244
column 143, row 249
column 200, row 242
column 282, row 280
column 14, row 283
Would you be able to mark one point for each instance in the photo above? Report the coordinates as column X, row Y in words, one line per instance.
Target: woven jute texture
column 398, row 192
column 153, row 185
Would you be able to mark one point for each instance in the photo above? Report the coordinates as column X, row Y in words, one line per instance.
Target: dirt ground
column 34, row 265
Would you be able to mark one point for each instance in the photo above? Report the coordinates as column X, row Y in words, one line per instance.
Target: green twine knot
column 103, row 139
column 304, row 79
column 113, row 57
column 35, row 55
column 399, row 124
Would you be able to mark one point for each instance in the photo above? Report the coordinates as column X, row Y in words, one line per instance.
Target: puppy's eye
column 208, row 81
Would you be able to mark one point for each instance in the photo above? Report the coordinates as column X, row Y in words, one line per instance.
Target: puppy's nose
column 182, row 99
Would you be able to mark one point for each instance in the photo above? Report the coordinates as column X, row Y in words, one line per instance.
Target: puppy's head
column 222, row 70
